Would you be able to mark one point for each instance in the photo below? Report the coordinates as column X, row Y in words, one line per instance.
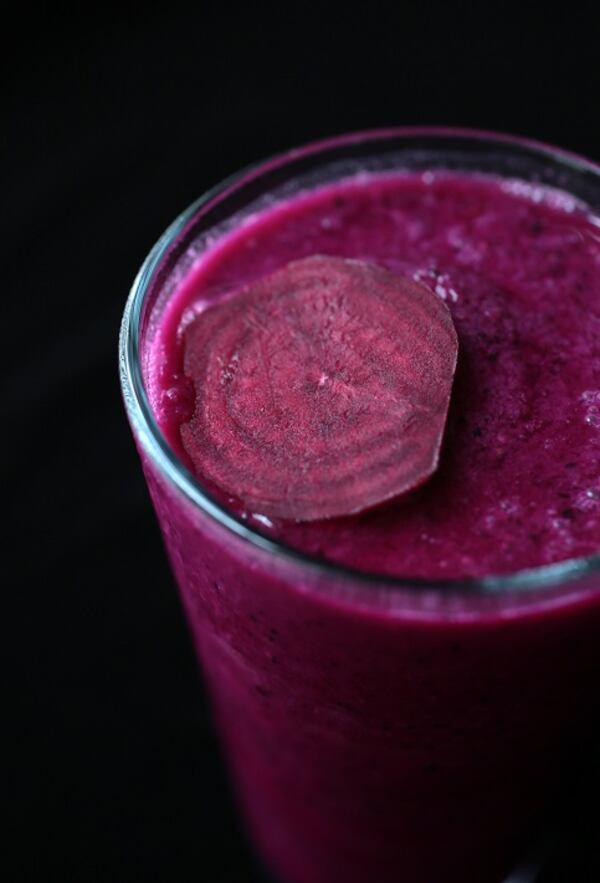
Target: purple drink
column 392, row 727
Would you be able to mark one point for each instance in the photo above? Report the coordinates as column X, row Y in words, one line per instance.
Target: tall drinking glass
column 376, row 729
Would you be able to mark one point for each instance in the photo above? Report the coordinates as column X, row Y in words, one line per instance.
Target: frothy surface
column 519, row 267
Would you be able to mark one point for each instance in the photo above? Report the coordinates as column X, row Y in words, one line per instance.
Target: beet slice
column 320, row 390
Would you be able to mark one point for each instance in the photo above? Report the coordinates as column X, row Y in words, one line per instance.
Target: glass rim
column 149, row 435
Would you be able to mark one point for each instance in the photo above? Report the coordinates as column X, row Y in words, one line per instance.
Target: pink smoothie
column 369, row 738
column 519, row 268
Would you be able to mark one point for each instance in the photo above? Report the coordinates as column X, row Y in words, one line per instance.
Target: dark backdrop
column 114, row 124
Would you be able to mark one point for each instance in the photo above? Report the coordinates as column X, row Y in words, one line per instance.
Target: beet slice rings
column 321, row 390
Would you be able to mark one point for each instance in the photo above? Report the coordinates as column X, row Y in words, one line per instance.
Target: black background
column 114, row 123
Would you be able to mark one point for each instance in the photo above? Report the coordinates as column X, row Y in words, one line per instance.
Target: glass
column 375, row 728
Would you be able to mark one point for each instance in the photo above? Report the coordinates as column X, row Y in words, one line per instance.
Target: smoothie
column 372, row 737
column 519, row 268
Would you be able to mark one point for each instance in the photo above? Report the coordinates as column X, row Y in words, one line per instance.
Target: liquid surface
column 519, row 267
